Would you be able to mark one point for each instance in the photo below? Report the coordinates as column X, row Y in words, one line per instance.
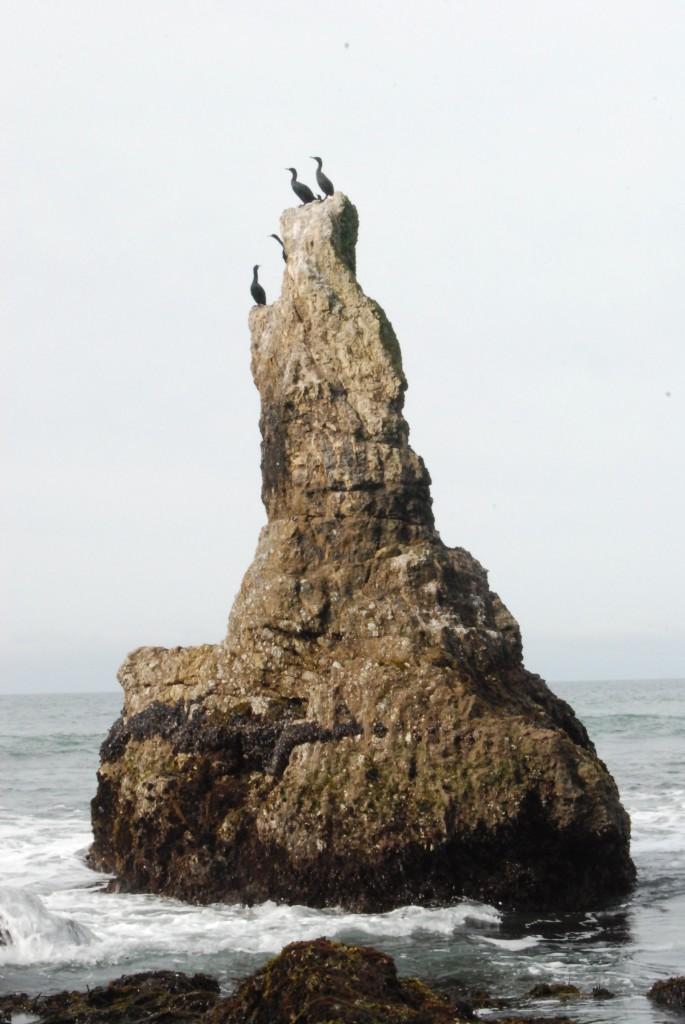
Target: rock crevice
column 366, row 734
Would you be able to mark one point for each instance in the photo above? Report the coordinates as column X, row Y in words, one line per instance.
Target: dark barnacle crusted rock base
column 367, row 734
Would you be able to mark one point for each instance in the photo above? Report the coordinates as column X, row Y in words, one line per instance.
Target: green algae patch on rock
column 323, row 982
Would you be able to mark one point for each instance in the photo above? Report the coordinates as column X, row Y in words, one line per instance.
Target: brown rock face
column 323, row 982
column 366, row 735
column 669, row 993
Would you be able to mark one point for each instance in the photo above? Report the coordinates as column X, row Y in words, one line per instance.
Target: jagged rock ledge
column 366, row 735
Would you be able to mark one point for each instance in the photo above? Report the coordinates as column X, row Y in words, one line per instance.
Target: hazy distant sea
column 69, row 934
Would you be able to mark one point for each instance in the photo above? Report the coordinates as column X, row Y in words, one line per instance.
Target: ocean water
column 68, row 933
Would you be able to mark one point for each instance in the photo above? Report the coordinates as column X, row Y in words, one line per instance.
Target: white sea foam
column 41, row 854
column 30, row 932
column 527, row 942
column 658, row 822
column 126, row 925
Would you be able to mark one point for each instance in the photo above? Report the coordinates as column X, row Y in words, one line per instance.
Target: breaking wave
column 30, row 932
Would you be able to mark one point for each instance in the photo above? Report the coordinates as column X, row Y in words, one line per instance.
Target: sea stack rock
column 366, row 735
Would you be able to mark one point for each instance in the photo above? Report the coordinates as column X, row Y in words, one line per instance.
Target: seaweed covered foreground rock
column 323, row 982
column 316, row 982
column 168, row 996
column 366, row 735
column 670, row 993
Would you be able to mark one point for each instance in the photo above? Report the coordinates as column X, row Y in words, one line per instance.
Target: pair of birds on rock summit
column 305, row 194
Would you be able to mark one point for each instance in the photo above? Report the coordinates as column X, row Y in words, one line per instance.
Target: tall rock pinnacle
column 366, row 735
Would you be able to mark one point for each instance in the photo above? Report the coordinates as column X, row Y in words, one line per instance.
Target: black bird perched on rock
column 303, row 192
column 324, row 183
column 280, row 242
column 256, row 290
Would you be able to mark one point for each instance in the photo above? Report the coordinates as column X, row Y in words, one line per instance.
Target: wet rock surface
column 554, row 990
column 366, row 735
column 316, row 982
column 168, row 996
column 324, row 981
column 669, row 993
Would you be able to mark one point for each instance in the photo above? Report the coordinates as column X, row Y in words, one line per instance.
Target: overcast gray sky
column 518, row 171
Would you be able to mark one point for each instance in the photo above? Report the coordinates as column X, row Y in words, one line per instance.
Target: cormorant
column 280, row 242
column 324, row 183
column 256, row 290
column 303, row 192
